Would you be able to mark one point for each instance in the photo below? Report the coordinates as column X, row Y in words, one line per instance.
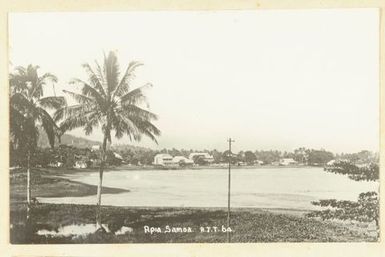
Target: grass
column 49, row 183
column 248, row 225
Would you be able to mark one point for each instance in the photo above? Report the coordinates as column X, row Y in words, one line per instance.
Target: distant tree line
column 68, row 155
column 267, row 157
column 64, row 156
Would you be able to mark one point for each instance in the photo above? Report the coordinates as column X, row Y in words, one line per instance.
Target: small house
column 182, row 161
column 287, row 161
column 163, row 160
column 206, row 157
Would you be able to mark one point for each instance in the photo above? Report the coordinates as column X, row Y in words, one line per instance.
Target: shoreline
column 203, row 167
column 65, row 171
column 50, row 184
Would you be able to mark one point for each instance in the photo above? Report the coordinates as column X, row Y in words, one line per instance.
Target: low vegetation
column 365, row 209
column 248, row 225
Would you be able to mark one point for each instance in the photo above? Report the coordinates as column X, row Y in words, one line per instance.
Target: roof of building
column 163, row 155
column 182, row 158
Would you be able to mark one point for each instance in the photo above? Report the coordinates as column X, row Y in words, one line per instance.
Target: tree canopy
column 365, row 209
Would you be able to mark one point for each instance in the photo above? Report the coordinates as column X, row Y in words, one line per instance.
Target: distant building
column 206, row 157
column 163, row 160
column 258, row 162
column 95, row 148
column 56, row 164
column 287, row 161
column 95, row 163
column 182, row 161
column 80, row 164
column 118, row 156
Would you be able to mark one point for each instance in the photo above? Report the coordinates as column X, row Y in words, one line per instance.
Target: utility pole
column 228, row 191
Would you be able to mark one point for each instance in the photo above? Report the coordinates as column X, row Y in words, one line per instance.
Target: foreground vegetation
column 248, row 225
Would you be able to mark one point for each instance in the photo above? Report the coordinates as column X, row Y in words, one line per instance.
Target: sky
column 271, row 79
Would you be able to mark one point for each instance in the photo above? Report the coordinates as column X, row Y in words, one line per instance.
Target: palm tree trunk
column 99, row 192
column 377, row 228
column 28, row 183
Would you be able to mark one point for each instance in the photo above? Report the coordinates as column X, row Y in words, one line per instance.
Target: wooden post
column 28, row 184
column 228, row 191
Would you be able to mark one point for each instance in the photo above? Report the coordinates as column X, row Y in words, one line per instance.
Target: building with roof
column 182, row 161
column 163, row 159
column 287, row 161
column 206, row 157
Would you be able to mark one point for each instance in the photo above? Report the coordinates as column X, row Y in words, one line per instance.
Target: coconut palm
column 28, row 111
column 108, row 103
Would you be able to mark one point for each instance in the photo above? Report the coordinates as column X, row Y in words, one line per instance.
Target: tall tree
column 250, row 157
column 108, row 102
column 28, row 110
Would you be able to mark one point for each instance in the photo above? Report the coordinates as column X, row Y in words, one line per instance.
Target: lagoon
column 291, row 188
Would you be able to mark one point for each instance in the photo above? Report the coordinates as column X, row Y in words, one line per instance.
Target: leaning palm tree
column 28, row 111
column 109, row 103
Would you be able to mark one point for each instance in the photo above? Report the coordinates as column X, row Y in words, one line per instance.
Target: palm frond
column 59, row 113
column 75, row 120
column 21, row 71
column 80, row 98
column 135, row 125
column 111, row 67
column 93, row 121
column 30, row 134
column 135, row 96
column 52, row 102
column 131, row 110
column 91, row 92
column 147, row 128
column 17, row 84
column 20, row 102
column 124, row 85
column 48, row 77
column 49, row 126
column 95, row 80
column 37, row 83
column 123, row 125
column 16, row 121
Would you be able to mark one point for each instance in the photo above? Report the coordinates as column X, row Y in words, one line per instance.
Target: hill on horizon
column 81, row 142
column 66, row 139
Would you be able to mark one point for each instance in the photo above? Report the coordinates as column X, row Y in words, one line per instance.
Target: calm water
column 265, row 188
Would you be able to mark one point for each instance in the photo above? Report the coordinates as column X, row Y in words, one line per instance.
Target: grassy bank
column 205, row 167
column 49, row 183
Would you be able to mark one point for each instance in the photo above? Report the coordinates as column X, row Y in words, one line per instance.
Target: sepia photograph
column 253, row 126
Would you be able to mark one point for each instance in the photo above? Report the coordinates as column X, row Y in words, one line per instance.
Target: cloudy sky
column 269, row 79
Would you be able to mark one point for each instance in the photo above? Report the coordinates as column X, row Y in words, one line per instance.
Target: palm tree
column 109, row 103
column 28, row 110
